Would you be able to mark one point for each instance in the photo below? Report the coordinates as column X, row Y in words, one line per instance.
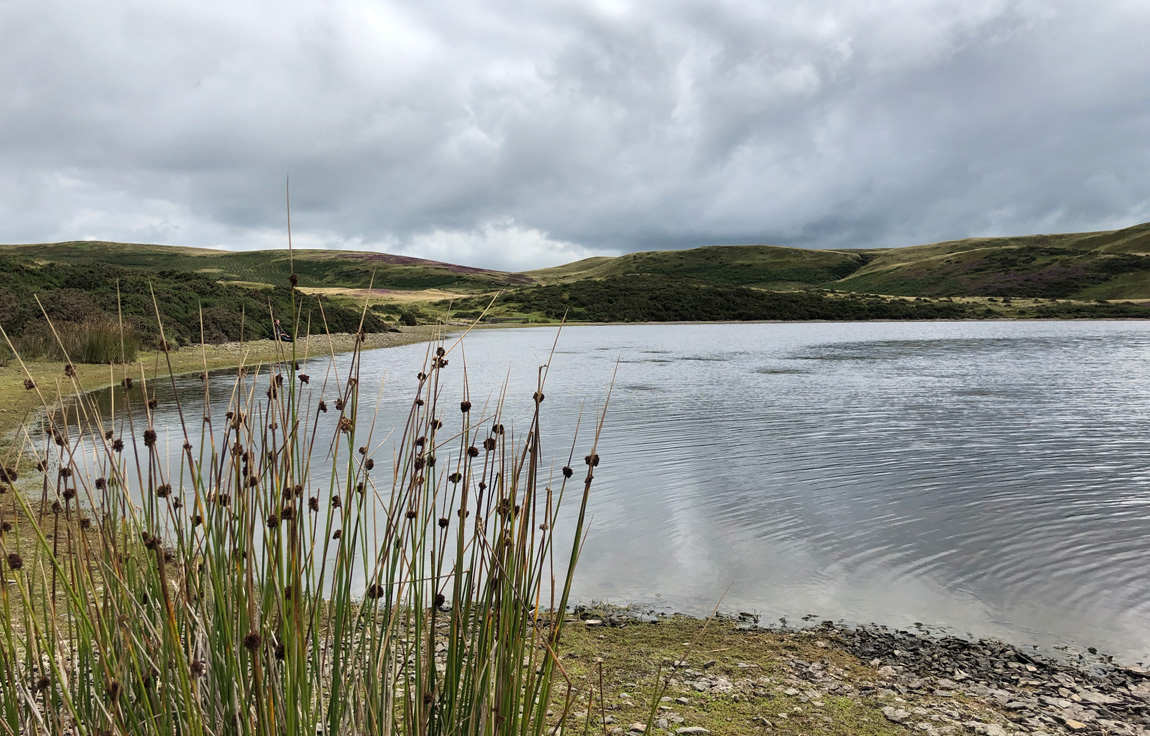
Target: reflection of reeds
column 234, row 595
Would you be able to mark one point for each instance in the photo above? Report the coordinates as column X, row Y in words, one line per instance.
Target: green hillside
column 764, row 266
column 1056, row 276
column 1101, row 265
column 315, row 268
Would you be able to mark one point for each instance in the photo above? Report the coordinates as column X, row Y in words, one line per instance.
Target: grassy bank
column 17, row 403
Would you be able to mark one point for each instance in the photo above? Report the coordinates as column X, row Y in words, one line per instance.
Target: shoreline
column 935, row 685
column 17, row 403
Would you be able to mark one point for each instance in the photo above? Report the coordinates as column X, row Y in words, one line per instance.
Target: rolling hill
column 1007, row 276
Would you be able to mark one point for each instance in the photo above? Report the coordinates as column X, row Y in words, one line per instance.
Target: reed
column 243, row 591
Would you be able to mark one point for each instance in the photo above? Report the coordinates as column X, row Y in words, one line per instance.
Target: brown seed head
column 465, row 406
column 473, row 451
column 153, row 403
column 567, row 471
column 304, row 378
column 69, row 493
column 313, row 503
column 127, row 382
column 164, row 491
column 337, row 534
column 118, row 445
column 15, row 561
column 369, row 464
column 323, row 406
column 149, row 437
column 252, row 641
column 339, row 404
column 70, row 370
column 443, row 522
column 455, row 477
column 196, row 669
column 336, row 502
column 29, row 384
column 293, row 280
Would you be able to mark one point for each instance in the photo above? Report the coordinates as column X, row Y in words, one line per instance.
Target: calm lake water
column 989, row 478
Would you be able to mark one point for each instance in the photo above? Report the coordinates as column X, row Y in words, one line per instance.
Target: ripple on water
column 990, row 477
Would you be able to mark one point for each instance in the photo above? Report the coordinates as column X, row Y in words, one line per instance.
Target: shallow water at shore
column 991, row 478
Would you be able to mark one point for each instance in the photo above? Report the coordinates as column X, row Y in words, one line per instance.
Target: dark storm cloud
column 519, row 134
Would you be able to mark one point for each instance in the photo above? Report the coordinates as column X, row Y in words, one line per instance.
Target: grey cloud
column 518, row 134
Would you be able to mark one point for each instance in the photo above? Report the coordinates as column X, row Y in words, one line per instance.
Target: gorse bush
column 276, row 577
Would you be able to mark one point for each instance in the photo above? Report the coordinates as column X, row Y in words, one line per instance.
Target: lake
column 987, row 478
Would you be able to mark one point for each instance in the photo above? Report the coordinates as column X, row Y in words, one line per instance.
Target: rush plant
column 274, row 575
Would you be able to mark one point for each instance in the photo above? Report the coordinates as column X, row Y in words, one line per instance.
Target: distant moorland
column 1081, row 275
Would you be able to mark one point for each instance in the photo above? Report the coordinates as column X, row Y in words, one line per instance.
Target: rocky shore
column 833, row 679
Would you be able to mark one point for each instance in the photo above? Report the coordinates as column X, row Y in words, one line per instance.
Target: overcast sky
column 523, row 133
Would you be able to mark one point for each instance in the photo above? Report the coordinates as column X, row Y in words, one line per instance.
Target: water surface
column 991, row 478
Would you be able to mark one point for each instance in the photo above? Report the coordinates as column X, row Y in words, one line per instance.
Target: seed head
column 465, row 406
column 489, row 444
column 153, row 403
column 323, row 406
column 592, row 460
column 42, row 466
column 279, row 379
column 369, row 464
column 15, row 561
column 420, row 441
column 293, row 280
column 345, row 425
column 337, row 534
column 567, row 471
column 5, row 526
column 43, row 683
column 252, row 641
column 108, row 434
column 56, row 507
column 118, row 445
column 85, row 522
column 411, row 513
column 539, row 397
column 455, row 477
column 440, row 352
column 304, row 378
column 287, row 513
column 339, row 404
column 497, row 429
column 29, row 384
column 374, row 591
column 440, row 599
column 273, row 521
column 313, row 503
column 149, row 437
column 164, row 491
column 443, row 522
column 280, row 651
column 427, row 698
column 70, row 370
column 69, row 493
column 436, row 424
column 419, row 401
column 65, row 473
column 421, row 376
column 126, row 383
column 8, row 475
column 203, row 376
column 336, row 502
column 473, row 451
column 196, row 669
